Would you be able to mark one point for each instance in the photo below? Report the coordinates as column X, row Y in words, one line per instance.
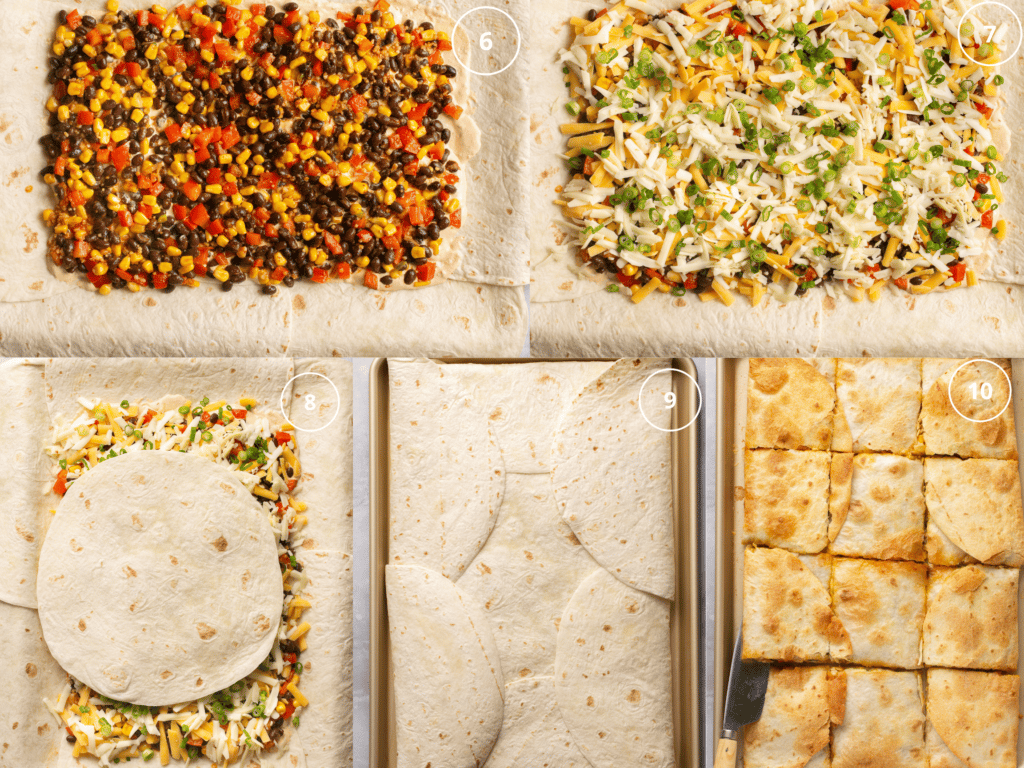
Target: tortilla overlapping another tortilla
column 133, row 574
column 449, row 706
column 612, row 674
column 611, row 468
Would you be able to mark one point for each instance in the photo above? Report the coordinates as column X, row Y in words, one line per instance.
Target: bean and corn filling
column 764, row 147
column 258, row 143
column 248, row 717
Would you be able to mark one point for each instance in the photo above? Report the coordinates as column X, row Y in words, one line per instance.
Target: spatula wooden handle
column 725, row 755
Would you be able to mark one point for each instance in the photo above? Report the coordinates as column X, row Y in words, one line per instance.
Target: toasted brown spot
column 199, row 682
column 30, row 669
column 205, row 631
column 81, row 625
column 590, row 701
column 129, row 572
column 166, row 674
column 220, row 544
column 633, row 697
column 261, row 623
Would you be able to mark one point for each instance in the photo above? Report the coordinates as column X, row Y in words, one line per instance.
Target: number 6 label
column 489, row 28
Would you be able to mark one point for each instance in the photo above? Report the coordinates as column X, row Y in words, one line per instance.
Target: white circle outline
column 519, row 39
column 700, row 399
column 949, row 390
column 972, row 10
column 337, row 410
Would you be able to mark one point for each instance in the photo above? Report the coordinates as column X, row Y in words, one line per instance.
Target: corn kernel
column 105, row 289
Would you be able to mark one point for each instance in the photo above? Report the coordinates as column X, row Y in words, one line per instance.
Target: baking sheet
column 731, row 424
column 481, row 310
column 326, row 734
column 572, row 315
column 684, row 626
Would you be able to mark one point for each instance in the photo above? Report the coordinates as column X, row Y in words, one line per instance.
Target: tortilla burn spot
column 261, row 623
column 133, row 606
column 298, row 302
column 150, row 301
column 484, row 569
column 26, row 535
column 529, row 555
column 81, row 625
column 220, row 544
column 199, row 682
column 166, row 674
column 137, row 522
column 88, row 503
column 245, row 580
column 607, row 627
column 631, row 608
column 174, row 560
column 633, row 697
column 205, row 631
column 129, row 572
column 42, row 729
column 590, row 701
column 525, row 672
column 30, row 669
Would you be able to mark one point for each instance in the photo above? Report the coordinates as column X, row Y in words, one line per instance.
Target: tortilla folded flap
column 448, row 684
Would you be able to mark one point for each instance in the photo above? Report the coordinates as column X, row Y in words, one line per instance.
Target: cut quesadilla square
column 786, row 499
column 977, row 422
column 974, row 511
column 787, row 612
column 971, row 618
column 881, row 605
column 793, row 730
column 878, row 512
column 882, row 725
column 879, row 400
column 789, row 405
column 972, row 719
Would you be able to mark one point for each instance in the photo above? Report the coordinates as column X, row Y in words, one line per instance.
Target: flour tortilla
column 790, row 404
column 486, row 254
column 611, row 674
column 26, row 479
column 447, row 472
column 448, row 683
column 534, row 732
column 793, row 729
column 523, row 404
column 525, row 575
column 325, row 737
column 29, row 736
column 612, row 474
column 132, row 571
column 325, row 552
column 883, row 722
column 972, row 719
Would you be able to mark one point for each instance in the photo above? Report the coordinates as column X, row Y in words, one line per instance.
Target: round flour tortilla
column 158, row 579
column 612, row 680
column 612, row 475
column 448, row 682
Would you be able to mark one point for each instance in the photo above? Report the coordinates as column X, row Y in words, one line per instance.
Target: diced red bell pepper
column 690, row 283
column 202, row 155
column 453, row 111
column 173, row 132
column 268, row 180
column 85, row 117
column 901, row 282
column 391, row 242
column 180, row 212
column 364, row 235
column 262, row 215
column 418, row 215
column 253, row 238
column 159, row 280
column 99, row 280
column 270, row 231
column 626, row 280
column 900, row 5
column 282, row 35
column 282, row 437
column 120, row 157
column 74, row 20
column 358, row 104
column 320, row 275
column 311, row 91
column 332, row 243
column 258, row 9
column 418, row 112
column 60, row 487
column 959, row 271
column 435, row 58
column 215, row 227
column 60, row 165
column 126, row 218
column 192, row 190
column 126, row 276
column 228, row 28
column 986, row 219
column 213, row 177
column 986, row 111
column 75, row 198
column 410, row 169
column 279, row 273
column 394, row 141
column 134, row 70
column 455, row 217
column 230, row 136
column 425, row 272
column 370, row 280
column 343, row 270
column 451, row 178
column 444, row 45
column 199, row 216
